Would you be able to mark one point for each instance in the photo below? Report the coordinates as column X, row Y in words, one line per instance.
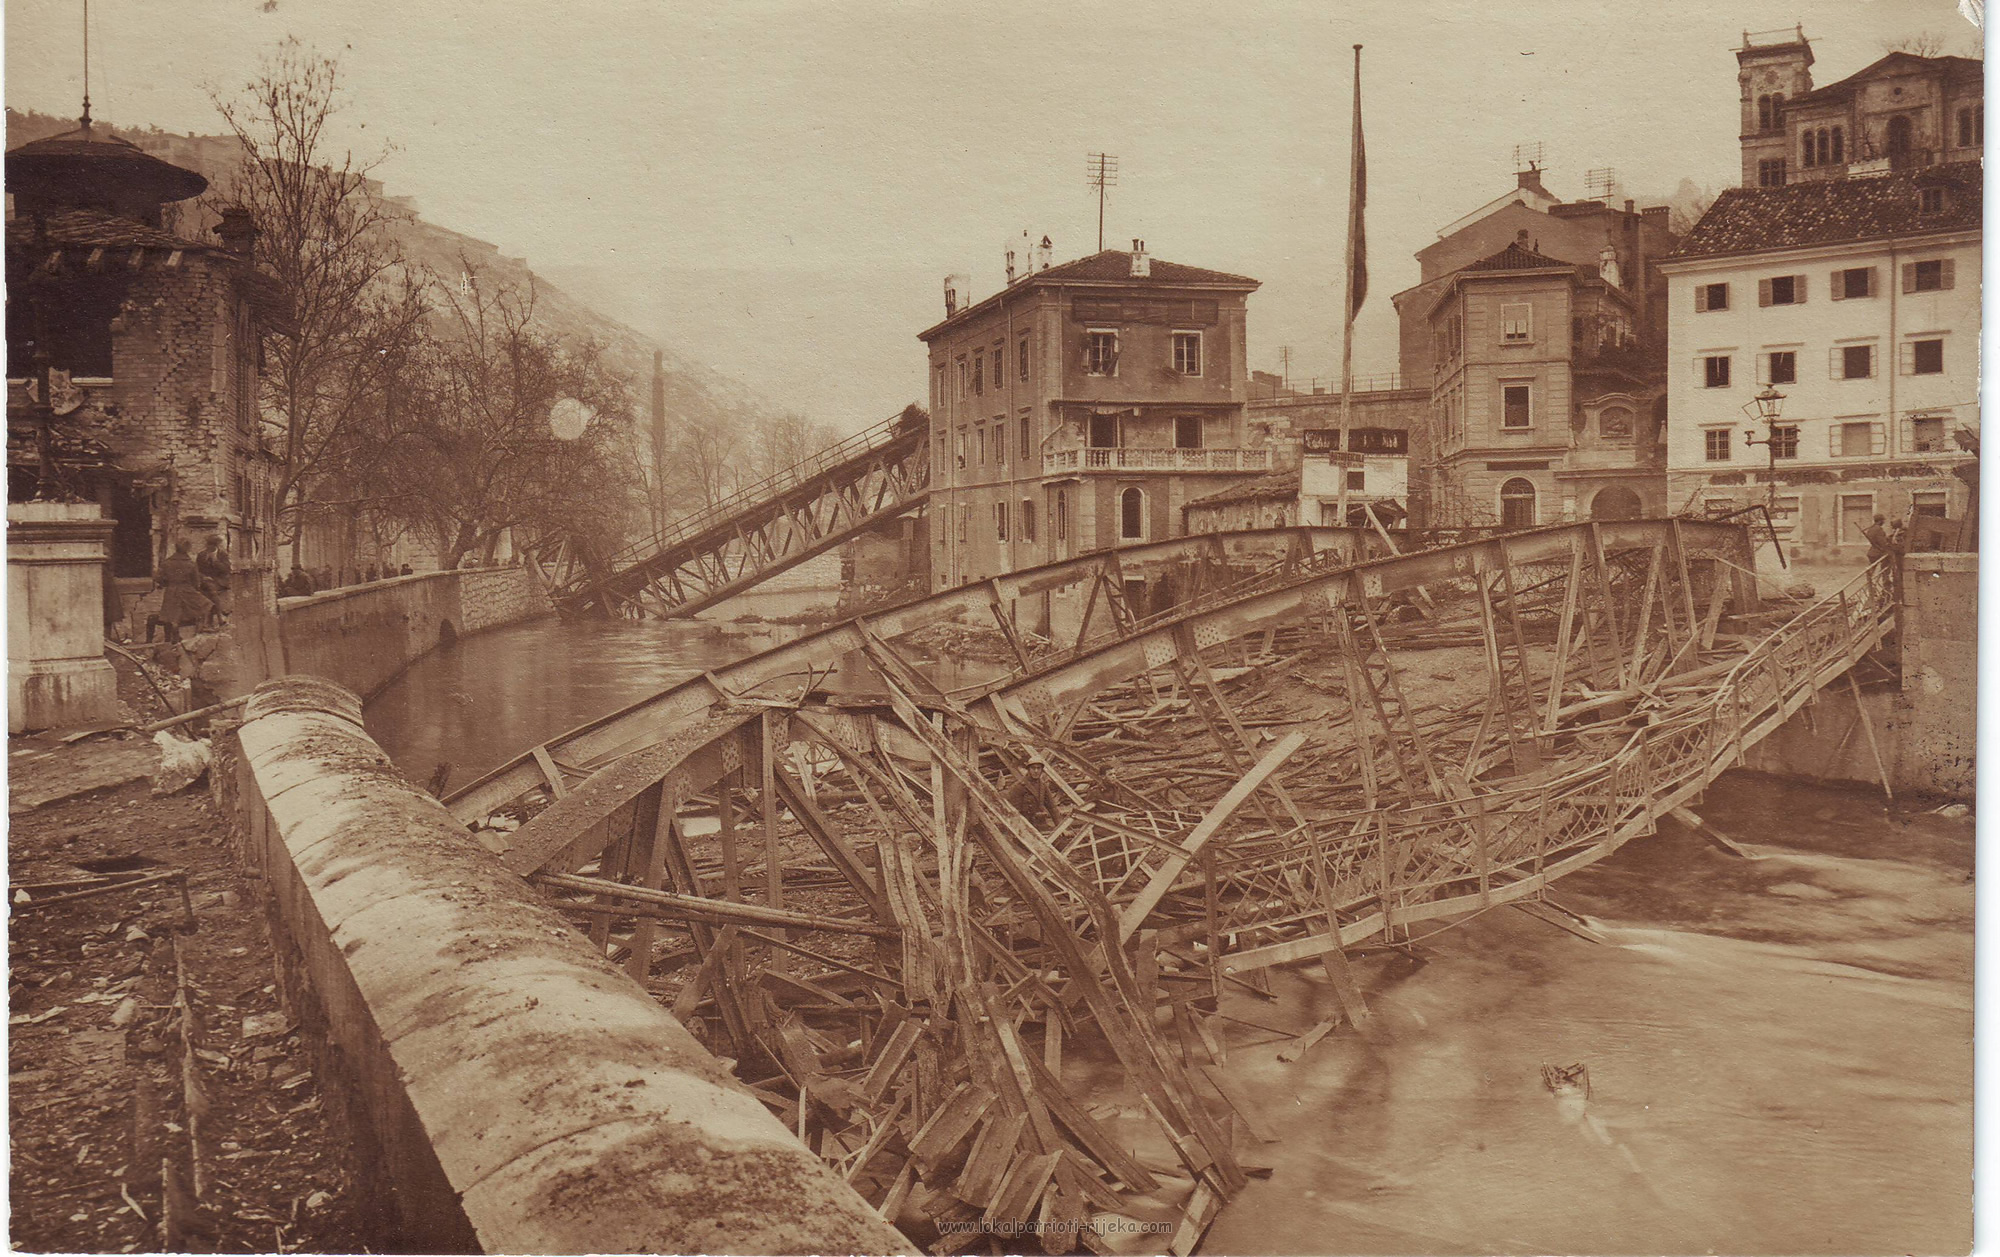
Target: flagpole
column 1354, row 210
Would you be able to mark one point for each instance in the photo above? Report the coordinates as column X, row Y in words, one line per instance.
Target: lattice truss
column 752, row 534
column 901, row 909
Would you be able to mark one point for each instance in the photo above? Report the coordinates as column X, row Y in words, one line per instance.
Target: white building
column 1857, row 299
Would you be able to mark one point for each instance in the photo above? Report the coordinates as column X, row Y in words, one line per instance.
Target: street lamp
column 1769, row 403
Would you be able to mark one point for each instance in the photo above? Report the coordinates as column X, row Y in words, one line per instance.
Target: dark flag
column 1357, row 207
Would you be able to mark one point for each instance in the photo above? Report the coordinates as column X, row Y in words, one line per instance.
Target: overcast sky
column 896, row 142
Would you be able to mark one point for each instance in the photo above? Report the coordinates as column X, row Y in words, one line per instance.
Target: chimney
column 1043, row 253
column 1010, row 266
column 1521, row 238
column 1142, row 266
column 954, row 294
column 238, row 230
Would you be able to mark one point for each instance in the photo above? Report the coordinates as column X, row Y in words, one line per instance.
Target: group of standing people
column 300, row 581
column 195, row 588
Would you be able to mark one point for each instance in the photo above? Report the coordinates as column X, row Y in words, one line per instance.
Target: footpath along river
column 1779, row 1049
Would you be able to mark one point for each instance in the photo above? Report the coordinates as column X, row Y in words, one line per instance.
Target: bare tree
column 1922, row 44
column 355, row 309
column 471, row 453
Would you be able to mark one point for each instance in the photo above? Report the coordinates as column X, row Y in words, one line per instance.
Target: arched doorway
column 1616, row 502
column 1517, row 503
column 1899, row 142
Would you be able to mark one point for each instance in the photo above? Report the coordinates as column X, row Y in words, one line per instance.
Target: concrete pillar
column 57, row 676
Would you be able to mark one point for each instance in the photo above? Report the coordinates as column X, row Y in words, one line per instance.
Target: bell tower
column 1772, row 67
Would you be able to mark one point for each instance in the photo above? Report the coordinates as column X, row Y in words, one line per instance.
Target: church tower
column 1772, row 68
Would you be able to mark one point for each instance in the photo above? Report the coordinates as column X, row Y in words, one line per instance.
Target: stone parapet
column 513, row 1091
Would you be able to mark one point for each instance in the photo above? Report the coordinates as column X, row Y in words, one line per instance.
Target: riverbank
column 150, row 1067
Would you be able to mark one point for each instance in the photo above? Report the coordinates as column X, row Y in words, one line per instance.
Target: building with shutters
column 1547, row 401
column 1590, row 255
column 1081, row 407
column 1855, row 299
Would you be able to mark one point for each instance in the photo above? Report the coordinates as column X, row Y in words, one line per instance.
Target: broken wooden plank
column 1293, row 1051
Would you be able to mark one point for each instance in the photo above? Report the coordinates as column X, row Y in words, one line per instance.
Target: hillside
column 696, row 394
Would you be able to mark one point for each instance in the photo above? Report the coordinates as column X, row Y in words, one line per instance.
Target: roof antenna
column 85, row 120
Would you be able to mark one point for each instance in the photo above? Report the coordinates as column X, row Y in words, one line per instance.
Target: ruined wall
column 361, row 636
column 507, row 1089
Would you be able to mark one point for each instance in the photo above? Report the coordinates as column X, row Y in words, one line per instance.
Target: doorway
column 1187, row 432
column 1104, row 432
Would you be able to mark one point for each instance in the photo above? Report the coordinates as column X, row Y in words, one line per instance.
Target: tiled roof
column 1276, row 486
column 1516, row 257
column 1111, row 265
column 1953, row 67
column 1116, row 264
column 1835, row 211
column 92, row 229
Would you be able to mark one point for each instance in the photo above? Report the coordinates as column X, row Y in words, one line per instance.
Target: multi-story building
column 1607, row 250
column 1903, row 112
column 1369, row 468
column 1080, row 407
column 1857, row 301
column 133, row 352
column 1547, row 401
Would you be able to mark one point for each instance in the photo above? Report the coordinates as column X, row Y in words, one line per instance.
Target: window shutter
column 1837, row 286
column 1878, row 439
column 1798, row 290
column 1763, row 292
column 1833, row 361
column 1944, row 280
column 1906, row 358
column 1872, row 289
column 1701, row 373
column 1764, row 368
column 1909, row 277
column 1701, row 298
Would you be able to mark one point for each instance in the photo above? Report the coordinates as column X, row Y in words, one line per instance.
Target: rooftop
column 1835, row 211
column 91, row 229
column 1111, row 266
column 1894, row 63
column 1277, row 486
column 1519, row 257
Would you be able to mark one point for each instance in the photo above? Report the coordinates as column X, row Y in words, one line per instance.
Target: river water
column 1779, row 1049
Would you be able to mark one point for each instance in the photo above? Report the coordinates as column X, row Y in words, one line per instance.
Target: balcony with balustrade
column 1128, row 459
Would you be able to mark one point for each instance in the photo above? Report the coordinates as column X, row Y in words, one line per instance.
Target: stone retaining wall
column 511, row 1090
column 361, row 636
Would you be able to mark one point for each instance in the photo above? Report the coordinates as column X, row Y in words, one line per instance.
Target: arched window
column 1899, row 142
column 1838, row 145
column 1132, row 514
column 1764, row 113
column 1806, row 149
column 1062, row 515
column 1517, row 503
column 1825, row 147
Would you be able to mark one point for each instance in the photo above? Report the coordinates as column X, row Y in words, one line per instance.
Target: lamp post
column 1769, row 403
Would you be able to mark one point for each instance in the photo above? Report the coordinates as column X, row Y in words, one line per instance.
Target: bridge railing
column 743, row 498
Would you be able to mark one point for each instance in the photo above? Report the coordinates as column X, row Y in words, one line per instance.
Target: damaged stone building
column 133, row 353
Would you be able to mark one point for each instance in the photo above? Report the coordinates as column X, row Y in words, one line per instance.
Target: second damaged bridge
column 894, row 906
